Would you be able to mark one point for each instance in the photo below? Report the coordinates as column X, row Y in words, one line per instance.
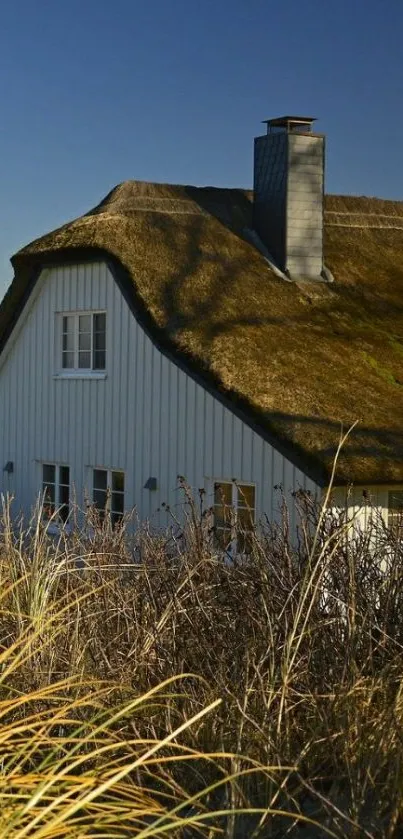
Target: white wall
column 361, row 509
column 146, row 417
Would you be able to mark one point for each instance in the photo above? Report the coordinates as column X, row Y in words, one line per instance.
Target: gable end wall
column 148, row 417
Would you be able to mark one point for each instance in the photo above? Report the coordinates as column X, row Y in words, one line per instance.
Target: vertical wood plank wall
column 147, row 417
column 362, row 512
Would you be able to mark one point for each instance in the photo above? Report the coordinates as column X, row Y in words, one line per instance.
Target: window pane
column 99, row 344
column 222, row 493
column 49, row 473
column 100, row 323
column 246, row 496
column 100, row 479
column 118, row 481
column 84, row 323
column 99, row 340
column 64, row 495
column 223, row 517
column 49, row 490
column 245, row 519
column 64, row 500
column 116, row 518
column 84, row 341
column 117, row 504
column 68, row 324
column 68, row 341
column 64, row 475
column 49, row 499
column 223, row 514
column 84, row 360
column 68, row 360
column 117, row 499
column 99, row 498
column 99, row 362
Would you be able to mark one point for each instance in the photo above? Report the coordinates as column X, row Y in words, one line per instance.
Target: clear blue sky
column 96, row 92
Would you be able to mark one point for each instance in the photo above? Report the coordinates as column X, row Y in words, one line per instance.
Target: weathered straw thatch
column 301, row 359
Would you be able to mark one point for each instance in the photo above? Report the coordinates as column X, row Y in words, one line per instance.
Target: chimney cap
column 290, row 123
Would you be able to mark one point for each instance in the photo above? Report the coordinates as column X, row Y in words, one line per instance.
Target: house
column 218, row 334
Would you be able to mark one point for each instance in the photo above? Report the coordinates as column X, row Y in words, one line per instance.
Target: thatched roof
column 301, row 360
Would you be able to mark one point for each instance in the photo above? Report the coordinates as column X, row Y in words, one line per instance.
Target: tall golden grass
column 293, row 710
column 78, row 756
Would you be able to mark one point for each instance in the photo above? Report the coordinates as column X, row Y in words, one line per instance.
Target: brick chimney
column 288, row 195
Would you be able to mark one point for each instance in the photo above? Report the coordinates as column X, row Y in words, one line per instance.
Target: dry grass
column 302, row 644
column 82, row 755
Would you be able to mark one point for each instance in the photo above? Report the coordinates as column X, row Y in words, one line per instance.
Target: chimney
column 288, row 195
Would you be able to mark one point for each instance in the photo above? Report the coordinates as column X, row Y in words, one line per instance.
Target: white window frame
column 76, row 371
column 109, row 492
column 236, row 493
column 55, row 519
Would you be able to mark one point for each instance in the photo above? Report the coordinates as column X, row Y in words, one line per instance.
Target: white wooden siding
column 360, row 511
column 147, row 417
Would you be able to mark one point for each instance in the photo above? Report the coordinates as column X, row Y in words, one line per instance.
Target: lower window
column 108, row 493
column 395, row 511
column 56, row 491
column 234, row 515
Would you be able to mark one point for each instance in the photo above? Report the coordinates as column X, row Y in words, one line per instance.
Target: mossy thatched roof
column 303, row 360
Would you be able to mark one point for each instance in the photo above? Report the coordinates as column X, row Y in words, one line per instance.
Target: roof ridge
column 360, row 213
column 368, row 226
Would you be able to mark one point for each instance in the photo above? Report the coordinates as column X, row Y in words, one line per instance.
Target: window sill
column 77, row 374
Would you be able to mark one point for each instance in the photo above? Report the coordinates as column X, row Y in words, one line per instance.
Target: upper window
column 108, row 490
column 56, row 491
column 395, row 511
column 234, row 515
column 84, row 341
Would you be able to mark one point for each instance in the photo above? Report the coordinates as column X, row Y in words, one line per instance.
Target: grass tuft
column 151, row 685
